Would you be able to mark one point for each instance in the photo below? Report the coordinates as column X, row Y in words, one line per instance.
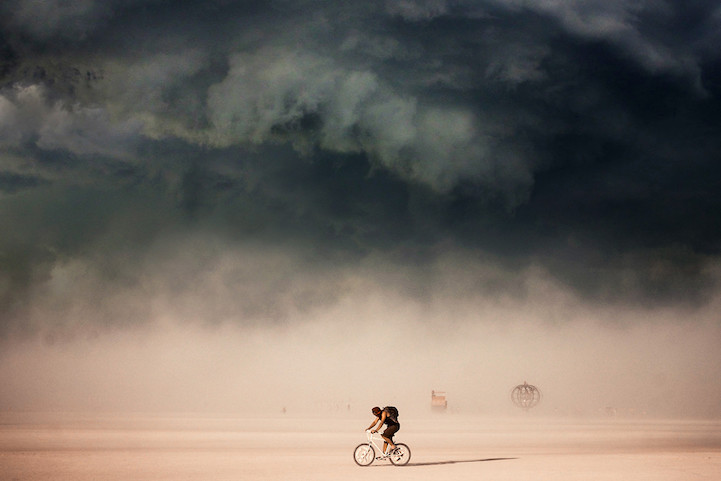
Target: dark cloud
column 238, row 154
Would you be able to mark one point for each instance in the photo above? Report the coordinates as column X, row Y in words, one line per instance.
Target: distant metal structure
column 525, row 395
column 438, row 401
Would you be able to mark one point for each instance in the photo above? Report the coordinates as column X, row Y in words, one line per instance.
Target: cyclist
column 385, row 416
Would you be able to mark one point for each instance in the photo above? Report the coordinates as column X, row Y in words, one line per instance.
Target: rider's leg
column 388, row 437
column 386, row 442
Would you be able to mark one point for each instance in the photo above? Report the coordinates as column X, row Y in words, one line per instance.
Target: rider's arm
column 381, row 420
column 375, row 421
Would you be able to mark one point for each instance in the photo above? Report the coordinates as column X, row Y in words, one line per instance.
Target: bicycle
column 365, row 453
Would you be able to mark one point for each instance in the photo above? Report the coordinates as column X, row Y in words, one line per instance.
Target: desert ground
column 139, row 447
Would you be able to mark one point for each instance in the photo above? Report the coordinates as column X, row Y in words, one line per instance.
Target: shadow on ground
column 436, row 463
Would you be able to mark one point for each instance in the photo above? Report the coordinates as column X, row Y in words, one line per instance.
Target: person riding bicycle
column 385, row 416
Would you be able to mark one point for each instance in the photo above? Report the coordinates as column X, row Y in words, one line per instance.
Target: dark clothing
column 392, row 426
column 391, row 430
column 389, row 422
column 392, row 414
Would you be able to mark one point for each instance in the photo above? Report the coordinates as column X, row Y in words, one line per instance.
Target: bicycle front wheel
column 401, row 455
column 364, row 454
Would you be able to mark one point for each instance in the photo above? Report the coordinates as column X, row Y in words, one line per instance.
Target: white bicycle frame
column 371, row 440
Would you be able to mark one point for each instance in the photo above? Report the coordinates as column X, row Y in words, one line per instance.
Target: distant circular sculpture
column 525, row 395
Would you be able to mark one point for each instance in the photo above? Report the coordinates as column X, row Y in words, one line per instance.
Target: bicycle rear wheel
column 364, row 454
column 401, row 456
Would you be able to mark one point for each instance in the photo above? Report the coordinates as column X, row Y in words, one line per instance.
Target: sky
column 227, row 205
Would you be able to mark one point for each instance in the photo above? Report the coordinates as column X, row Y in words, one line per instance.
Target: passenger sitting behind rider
column 383, row 417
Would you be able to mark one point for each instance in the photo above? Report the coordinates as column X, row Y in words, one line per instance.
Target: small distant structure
column 525, row 395
column 439, row 401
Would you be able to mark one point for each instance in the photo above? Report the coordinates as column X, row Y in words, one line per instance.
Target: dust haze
column 377, row 342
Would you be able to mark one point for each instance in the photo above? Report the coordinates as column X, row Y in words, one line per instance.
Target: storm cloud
column 256, row 163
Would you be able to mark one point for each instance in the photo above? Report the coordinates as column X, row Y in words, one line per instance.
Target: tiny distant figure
column 388, row 416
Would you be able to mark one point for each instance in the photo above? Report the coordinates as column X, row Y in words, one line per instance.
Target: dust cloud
column 378, row 346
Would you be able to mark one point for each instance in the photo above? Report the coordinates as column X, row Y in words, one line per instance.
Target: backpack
column 392, row 413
